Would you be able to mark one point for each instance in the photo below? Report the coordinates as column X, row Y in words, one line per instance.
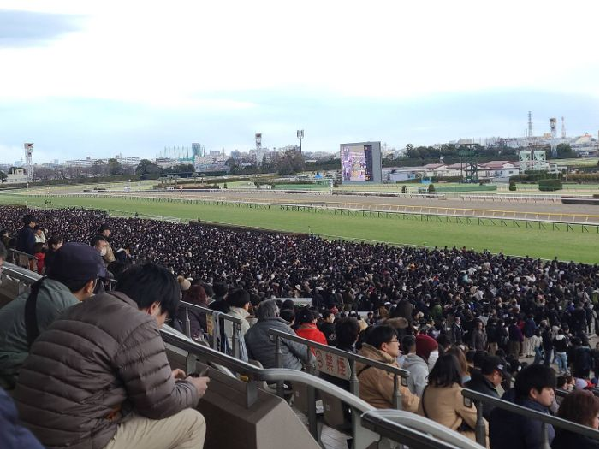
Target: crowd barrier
column 480, row 400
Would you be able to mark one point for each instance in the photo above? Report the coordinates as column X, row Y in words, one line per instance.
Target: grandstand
column 449, row 296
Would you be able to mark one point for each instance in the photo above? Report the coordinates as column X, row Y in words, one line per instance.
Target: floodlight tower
column 29, row 160
column 529, row 124
column 552, row 126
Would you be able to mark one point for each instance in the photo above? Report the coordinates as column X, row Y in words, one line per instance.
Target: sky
column 82, row 78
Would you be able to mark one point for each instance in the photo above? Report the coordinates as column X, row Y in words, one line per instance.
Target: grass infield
column 545, row 243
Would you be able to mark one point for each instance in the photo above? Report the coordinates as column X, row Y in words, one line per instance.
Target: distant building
column 16, row 176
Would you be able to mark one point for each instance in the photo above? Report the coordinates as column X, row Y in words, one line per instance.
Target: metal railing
column 394, row 425
column 480, row 400
column 22, row 277
column 18, row 257
column 219, row 335
column 399, row 375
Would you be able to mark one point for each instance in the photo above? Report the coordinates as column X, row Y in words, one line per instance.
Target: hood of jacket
column 412, row 360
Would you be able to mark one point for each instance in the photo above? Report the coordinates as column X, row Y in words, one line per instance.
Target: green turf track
column 573, row 245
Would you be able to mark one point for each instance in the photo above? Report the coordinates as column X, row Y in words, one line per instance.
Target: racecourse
column 514, row 237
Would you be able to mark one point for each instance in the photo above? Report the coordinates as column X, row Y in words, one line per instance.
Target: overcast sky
column 99, row 78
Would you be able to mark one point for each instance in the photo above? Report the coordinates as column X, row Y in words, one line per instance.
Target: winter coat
column 376, row 386
column 98, row 361
column 418, row 370
column 25, row 240
column 242, row 314
column 12, row 434
column 260, row 347
column 479, row 340
column 482, row 385
column 311, row 332
column 446, row 407
column 52, row 300
column 566, row 439
column 511, row 431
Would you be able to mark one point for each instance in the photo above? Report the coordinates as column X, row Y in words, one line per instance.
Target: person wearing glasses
column 377, row 386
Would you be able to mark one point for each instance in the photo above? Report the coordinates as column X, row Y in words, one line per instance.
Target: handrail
column 546, row 419
column 391, row 423
column 20, row 274
column 354, row 382
column 265, row 375
column 365, row 416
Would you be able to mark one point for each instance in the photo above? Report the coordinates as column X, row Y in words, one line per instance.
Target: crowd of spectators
column 451, row 317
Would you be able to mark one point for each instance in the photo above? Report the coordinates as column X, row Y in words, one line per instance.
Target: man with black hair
column 492, row 372
column 534, row 389
column 111, row 385
column 377, row 386
column 71, row 279
column 306, row 320
column 26, row 236
column 327, row 327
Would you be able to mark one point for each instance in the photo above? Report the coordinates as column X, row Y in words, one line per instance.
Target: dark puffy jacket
column 100, row 355
column 12, row 434
column 508, row 430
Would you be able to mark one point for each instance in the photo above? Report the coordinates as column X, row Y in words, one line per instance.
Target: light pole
column 300, row 136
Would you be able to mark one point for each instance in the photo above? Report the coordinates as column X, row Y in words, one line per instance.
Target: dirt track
column 449, row 206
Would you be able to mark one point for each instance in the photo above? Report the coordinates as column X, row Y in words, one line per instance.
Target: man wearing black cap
column 71, row 279
column 486, row 381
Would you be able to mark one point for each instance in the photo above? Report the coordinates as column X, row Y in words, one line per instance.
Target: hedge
column 550, row 185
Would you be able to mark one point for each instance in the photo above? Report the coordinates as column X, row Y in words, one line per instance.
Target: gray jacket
column 53, row 299
column 261, row 348
column 418, row 370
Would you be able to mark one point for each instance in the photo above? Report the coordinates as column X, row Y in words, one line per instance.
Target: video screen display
column 356, row 163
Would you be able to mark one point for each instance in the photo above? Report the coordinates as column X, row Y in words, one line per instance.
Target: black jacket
column 508, row 430
column 26, row 240
column 482, row 385
column 564, row 439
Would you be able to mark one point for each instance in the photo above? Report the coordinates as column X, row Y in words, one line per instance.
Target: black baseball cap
column 76, row 261
column 493, row 363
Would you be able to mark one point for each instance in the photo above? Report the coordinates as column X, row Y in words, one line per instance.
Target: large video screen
column 356, row 163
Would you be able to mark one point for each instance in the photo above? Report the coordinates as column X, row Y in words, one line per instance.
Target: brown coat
column 103, row 357
column 376, row 386
column 446, row 406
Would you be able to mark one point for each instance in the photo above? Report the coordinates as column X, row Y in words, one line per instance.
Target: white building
column 16, row 176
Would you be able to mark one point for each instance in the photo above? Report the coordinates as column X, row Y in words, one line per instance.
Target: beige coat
column 376, row 386
column 446, row 406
